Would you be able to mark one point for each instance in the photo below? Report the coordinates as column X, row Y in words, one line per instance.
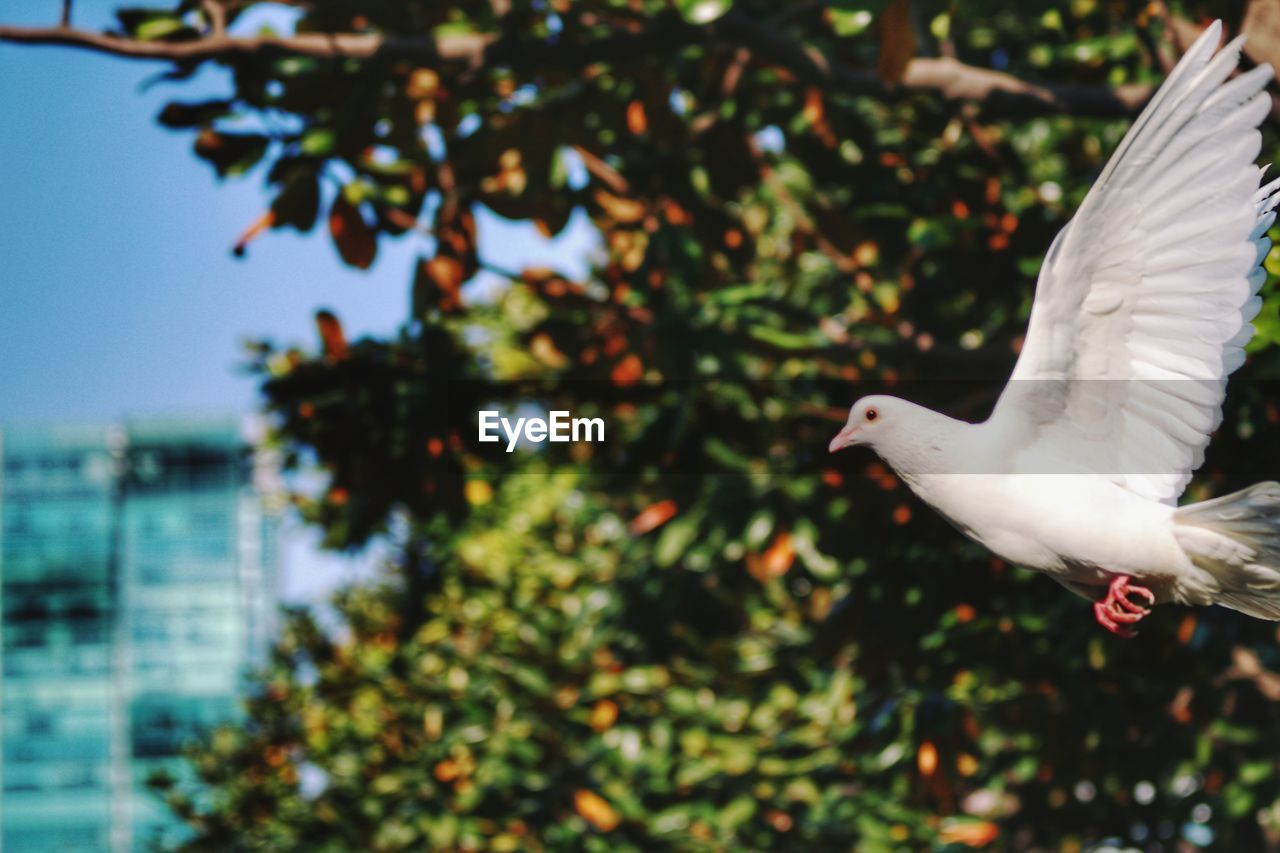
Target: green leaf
column 676, row 537
column 703, row 11
column 847, row 23
column 148, row 24
column 298, row 203
column 785, row 340
column 159, row 28
column 1253, row 772
column 317, row 142
column 183, row 115
column 231, row 153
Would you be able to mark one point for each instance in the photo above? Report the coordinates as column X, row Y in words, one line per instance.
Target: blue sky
column 118, row 291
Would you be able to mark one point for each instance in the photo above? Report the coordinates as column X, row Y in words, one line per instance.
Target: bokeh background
column 714, row 224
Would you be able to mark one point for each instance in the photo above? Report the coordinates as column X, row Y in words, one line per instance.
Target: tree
column 702, row 632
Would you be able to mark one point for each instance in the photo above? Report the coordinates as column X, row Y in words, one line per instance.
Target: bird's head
column 870, row 419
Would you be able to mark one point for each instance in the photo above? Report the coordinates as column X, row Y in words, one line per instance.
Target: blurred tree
column 702, row 632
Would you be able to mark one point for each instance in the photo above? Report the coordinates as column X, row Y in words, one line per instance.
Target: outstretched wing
column 1143, row 303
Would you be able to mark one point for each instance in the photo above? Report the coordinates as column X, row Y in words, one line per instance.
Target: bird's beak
column 843, row 439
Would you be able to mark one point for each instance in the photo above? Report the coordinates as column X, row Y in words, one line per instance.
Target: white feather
column 1144, row 301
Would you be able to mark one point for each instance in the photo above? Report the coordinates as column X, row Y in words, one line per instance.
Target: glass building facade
column 137, row 584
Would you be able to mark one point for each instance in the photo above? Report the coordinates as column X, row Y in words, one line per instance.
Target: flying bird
column 1142, row 310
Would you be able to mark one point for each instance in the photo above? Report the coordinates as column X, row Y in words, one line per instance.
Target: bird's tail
column 1236, row 540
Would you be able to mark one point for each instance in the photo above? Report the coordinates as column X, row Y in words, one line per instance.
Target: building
column 137, row 584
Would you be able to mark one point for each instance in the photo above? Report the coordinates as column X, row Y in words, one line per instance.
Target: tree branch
column 221, row 47
column 998, row 93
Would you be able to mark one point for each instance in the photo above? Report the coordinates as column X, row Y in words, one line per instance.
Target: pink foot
column 1117, row 611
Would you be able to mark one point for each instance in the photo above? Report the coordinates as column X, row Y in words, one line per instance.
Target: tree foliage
column 703, row 632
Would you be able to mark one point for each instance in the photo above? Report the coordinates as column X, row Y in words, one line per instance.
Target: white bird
column 1141, row 312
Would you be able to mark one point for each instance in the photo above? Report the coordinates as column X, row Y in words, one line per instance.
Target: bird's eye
column 871, row 414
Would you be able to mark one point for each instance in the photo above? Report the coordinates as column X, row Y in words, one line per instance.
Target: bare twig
column 979, row 133
column 65, row 19
column 728, row 84
column 804, row 222
column 216, row 15
column 603, row 171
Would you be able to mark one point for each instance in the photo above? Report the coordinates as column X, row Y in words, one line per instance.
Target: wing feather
column 1143, row 305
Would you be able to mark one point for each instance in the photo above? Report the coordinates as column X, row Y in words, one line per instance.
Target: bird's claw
column 1118, row 610
column 1106, row 620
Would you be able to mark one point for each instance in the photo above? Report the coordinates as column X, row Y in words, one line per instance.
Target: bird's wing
column 1143, row 303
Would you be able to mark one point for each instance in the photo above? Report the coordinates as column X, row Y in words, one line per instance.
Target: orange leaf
column 897, row 41
column 622, row 210
column 1186, row 628
column 628, row 371
column 992, row 190
column 423, row 83
column 208, row 141
column 927, row 758
column 815, row 114
column 1180, row 708
column 447, row 274
column 774, row 562
column 778, row 557
column 637, row 121
column 675, row 214
column 866, row 254
column 543, row 348
column 814, row 110
column 652, row 516
column 614, row 344
column 971, row 833
column 332, row 338
column 356, row 241
column 604, row 715
column 596, row 810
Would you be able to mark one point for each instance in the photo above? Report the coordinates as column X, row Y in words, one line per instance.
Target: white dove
column 1142, row 310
